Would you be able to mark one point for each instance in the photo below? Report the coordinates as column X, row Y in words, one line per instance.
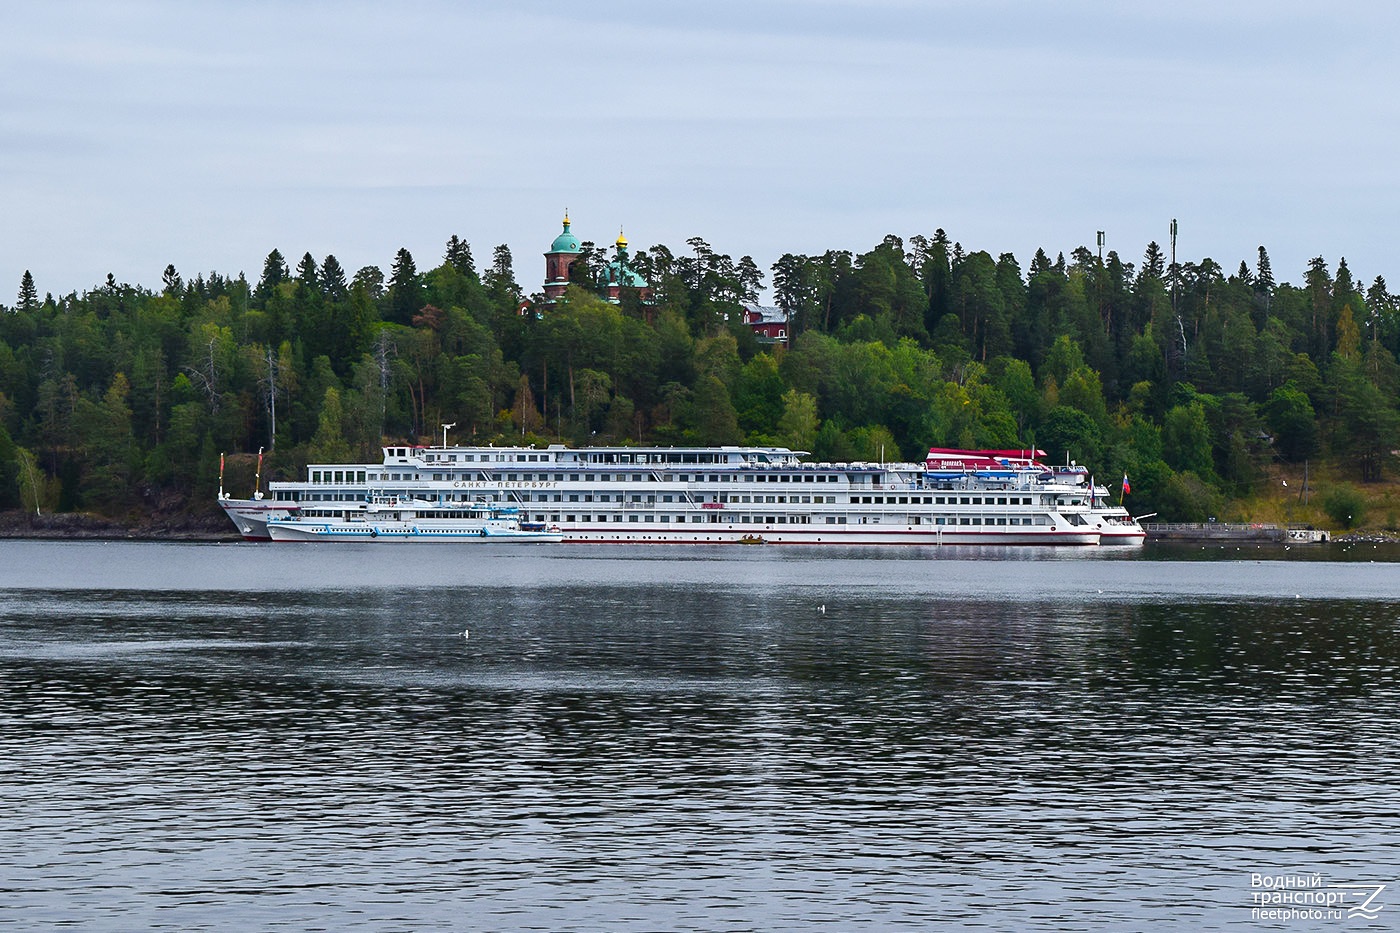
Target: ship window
column 573, row 498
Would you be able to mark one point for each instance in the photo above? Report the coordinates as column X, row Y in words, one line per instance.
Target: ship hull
column 394, row 533
column 250, row 516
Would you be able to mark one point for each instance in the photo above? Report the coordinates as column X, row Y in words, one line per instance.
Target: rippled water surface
column 341, row 738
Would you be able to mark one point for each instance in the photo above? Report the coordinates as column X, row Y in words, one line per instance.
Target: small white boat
column 1115, row 525
column 386, row 519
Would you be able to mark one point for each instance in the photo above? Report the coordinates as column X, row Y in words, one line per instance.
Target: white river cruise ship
column 713, row 495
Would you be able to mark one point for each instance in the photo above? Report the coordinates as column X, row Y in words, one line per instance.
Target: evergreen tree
column 28, row 294
column 1264, row 273
column 1040, row 263
column 1380, row 313
column 333, row 280
column 1319, row 292
column 750, row 279
column 1343, row 287
column 172, row 282
column 936, row 274
column 405, row 289
column 794, row 290
column 308, row 275
column 274, row 273
column 1154, row 264
column 500, row 278
column 459, row 257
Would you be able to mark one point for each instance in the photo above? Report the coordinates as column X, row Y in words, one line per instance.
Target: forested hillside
column 1190, row 380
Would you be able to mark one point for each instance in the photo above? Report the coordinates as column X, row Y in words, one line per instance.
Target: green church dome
column 565, row 242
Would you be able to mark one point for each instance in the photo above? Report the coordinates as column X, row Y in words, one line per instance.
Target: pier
column 1235, row 531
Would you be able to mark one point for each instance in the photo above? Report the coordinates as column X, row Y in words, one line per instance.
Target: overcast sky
column 204, row 134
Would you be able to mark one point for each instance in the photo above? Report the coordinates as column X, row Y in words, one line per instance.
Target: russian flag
column 1126, row 488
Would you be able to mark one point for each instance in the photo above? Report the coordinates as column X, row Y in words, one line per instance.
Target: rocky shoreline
column 1368, row 537
column 85, row 526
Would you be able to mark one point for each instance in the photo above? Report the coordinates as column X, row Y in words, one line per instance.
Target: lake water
column 642, row 738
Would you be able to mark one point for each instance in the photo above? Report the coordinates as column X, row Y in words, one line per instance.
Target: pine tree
column 274, row 273
column 1319, row 290
column 405, row 290
column 937, row 278
column 1263, row 272
column 750, row 279
column 333, row 280
column 500, row 278
column 1379, row 308
column 28, row 294
column 307, row 273
column 1154, row 264
column 459, row 257
column 1039, row 263
column 174, row 285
